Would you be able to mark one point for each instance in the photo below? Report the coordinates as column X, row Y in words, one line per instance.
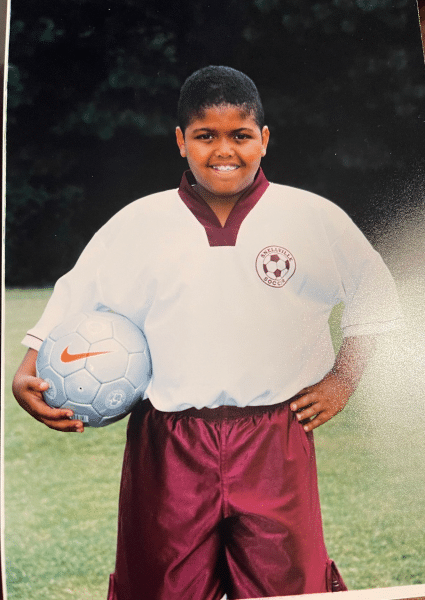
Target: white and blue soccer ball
column 97, row 364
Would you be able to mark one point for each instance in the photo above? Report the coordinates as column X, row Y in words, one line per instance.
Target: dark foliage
column 93, row 89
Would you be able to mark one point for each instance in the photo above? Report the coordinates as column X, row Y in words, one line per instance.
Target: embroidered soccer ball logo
column 275, row 265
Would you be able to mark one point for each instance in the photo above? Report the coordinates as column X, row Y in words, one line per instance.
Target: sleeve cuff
column 32, row 342
column 373, row 328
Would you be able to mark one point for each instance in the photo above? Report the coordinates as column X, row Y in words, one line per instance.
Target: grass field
column 61, row 490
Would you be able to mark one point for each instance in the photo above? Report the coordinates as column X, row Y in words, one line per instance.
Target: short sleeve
column 369, row 291
column 76, row 291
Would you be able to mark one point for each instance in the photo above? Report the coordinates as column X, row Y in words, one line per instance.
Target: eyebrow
column 208, row 129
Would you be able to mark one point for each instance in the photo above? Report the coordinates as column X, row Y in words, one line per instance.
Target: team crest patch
column 275, row 265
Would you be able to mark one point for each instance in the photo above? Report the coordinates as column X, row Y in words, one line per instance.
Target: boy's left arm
column 320, row 402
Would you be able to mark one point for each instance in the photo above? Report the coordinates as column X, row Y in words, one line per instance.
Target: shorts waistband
column 229, row 412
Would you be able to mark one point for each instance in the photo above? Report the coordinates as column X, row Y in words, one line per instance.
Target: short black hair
column 215, row 86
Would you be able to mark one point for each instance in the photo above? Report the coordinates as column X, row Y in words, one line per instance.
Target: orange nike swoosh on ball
column 66, row 357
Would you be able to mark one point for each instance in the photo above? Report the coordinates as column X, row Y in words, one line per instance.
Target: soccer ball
column 97, row 364
column 275, row 266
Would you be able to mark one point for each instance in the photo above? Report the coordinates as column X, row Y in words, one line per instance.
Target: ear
column 265, row 136
column 180, row 141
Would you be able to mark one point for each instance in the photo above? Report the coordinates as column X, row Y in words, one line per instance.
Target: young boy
column 232, row 279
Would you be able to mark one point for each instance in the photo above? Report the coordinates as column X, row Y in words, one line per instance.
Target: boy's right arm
column 27, row 389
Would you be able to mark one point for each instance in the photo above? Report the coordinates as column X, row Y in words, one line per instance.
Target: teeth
column 225, row 167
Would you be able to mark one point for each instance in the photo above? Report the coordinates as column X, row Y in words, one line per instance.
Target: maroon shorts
column 219, row 501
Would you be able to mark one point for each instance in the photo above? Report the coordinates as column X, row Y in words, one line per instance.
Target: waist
column 226, row 412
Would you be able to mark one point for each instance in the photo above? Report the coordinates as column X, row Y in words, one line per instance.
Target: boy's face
column 224, row 148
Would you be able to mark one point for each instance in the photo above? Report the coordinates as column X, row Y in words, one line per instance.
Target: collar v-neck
column 217, row 234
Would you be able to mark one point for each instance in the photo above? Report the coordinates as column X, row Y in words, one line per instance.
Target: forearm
column 28, row 390
column 352, row 359
column 26, row 368
column 320, row 402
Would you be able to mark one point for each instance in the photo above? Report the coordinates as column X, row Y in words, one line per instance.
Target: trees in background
column 93, row 88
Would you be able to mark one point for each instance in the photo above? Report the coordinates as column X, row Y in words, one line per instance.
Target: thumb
column 39, row 385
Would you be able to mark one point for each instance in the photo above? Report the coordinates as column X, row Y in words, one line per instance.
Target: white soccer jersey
column 237, row 314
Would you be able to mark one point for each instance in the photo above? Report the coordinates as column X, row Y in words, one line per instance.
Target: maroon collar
column 218, row 235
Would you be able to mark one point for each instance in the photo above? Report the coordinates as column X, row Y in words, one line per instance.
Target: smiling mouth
column 224, row 168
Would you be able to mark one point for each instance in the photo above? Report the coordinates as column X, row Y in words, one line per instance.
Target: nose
column 224, row 148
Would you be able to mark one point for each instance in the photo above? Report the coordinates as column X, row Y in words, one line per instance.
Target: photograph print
column 304, row 206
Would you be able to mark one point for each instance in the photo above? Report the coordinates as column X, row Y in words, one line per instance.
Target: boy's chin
column 229, row 191
column 224, row 193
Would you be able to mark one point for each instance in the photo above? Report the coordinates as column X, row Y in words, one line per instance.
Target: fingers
column 37, row 385
column 304, row 400
column 65, row 425
column 318, row 404
column 311, row 421
column 311, row 416
column 30, row 396
column 57, row 418
column 310, row 411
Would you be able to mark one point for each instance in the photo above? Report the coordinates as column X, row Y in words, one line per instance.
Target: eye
column 242, row 136
column 204, row 136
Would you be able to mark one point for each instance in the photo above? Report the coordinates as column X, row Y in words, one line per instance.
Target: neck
column 221, row 205
column 215, row 198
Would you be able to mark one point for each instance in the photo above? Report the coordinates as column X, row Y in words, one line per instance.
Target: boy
column 232, row 279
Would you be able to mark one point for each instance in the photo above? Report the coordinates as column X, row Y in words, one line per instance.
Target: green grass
column 61, row 490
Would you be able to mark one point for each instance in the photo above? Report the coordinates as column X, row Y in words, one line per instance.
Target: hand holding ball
column 97, row 364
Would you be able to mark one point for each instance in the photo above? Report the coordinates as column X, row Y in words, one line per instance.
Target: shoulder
column 142, row 213
column 309, row 205
column 147, row 204
column 304, row 200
